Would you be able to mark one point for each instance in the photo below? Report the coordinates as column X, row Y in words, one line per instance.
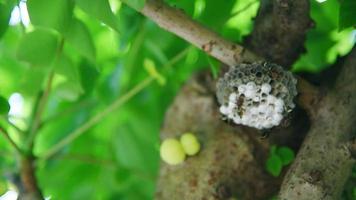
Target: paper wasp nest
column 258, row 95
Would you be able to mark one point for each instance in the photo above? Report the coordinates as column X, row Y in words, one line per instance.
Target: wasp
column 239, row 103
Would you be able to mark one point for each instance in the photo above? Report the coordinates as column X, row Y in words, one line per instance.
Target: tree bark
column 31, row 191
column 324, row 161
column 280, row 30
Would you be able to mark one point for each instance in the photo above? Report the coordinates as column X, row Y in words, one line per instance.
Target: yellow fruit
column 190, row 144
column 172, row 151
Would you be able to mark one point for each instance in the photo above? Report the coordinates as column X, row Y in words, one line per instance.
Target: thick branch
column 324, row 162
column 308, row 96
column 28, row 179
column 280, row 27
column 174, row 20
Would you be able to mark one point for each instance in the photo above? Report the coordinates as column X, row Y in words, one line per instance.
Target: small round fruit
column 190, row 144
column 172, row 151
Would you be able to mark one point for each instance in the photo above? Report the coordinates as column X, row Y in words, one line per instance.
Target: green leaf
column 274, row 165
column 128, row 148
column 4, row 106
column 88, row 76
column 79, row 37
column 69, row 91
column 324, row 43
column 136, row 4
column 273, row 198
column 66, row 68
column 273, row 149
column 353, row 174
column 347, row 14
column 214, row 66
column 70, row 88
column 150, row 67
column 3, row 187
column 101, row 10
column 286, row 154
column 32, row 81
column 38, row 47
column 5, row 13
column 56, row 14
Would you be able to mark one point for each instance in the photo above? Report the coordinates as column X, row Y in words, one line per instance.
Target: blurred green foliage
column 347, row 14
column 108, row 48
column 350, row 188
column 325, row 42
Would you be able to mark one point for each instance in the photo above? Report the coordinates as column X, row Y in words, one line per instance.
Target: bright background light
column 9, row 195
column 16, row 102
column 20, row 14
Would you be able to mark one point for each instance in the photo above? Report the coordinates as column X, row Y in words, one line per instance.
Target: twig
column 42, row 103
column 6, row 119
column 86, row 159
column 93, row 121
column 243, row 9
column 175, row 21
column 176, row 58
column 73, row 108
column 9, row 139
column 38, row 113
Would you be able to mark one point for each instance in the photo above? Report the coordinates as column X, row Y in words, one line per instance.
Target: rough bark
column 280, row 30
column 231, row 162
column 324, row 161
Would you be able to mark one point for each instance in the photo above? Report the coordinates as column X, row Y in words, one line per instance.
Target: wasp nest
column 258, row 95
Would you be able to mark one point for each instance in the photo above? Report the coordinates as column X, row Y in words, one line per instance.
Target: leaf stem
column 247, row 6
column 6, row 119
column 10, row 140
column 39, row 109
column 94, row 120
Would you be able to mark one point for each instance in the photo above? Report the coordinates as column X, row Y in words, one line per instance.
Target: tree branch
column 28, row 179
column 39, row 109
column 324, row 161
column 38, row 112
column 27, row 168
column 6, row 119
column 174, row 20
column 9, row 139
column 280, row 28
column 309, row 96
